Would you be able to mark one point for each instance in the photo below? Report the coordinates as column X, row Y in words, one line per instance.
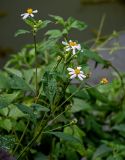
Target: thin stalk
column 56, row 128
column 36, row 72
column 35, row 138
column 100, row 30
column 119, row 74
column 22, row 136
column 29, row 145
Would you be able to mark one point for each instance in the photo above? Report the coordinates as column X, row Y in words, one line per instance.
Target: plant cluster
column 48, row 110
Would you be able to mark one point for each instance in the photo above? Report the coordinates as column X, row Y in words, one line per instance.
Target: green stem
column 57, row 128
column 36, row 80
column 120, row 76
column 21, row 138
column 29, row 145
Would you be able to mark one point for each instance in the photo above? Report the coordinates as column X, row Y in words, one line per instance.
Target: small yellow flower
column 29, row 13
column 104, row 81
column 71, row 45
column 76, row 73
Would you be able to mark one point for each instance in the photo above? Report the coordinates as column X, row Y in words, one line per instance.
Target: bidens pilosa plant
column 43, row 87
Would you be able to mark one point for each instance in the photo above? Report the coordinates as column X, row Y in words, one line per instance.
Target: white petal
column 70, row 69
column 31, row 15
column 79, row 76
column 74, row 51
column 81, row 72
column 70, row 40
column 82, row 75
column 73, row 72
column 35, row 11
column 68, row 49
column 23, row 14
column 73, row 76
column 79, row 68
column 64, row 43
column 26, row 15
column 78, row 47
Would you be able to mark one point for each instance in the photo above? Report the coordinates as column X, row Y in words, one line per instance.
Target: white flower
column 76, row 73
column 29, row 13
column 72, row 46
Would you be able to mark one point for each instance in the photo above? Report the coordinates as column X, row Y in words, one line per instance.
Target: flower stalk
column 36, row 70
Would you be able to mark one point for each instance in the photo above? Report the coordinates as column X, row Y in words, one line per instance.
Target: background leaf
column 21, row 31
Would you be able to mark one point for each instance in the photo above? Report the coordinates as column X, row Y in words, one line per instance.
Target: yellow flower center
column 77, row 71
column 30, row 10
column 104, row 81
column 73, row 44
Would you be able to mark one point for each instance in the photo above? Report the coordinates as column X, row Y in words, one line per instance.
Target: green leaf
column 115, row 157
column 94, row 56
column 120, row 127
column 95, row 93
column 82, row 94
column 39, row 107
column 40, row 156
column 77, row 133
column 7, row 99
column 66, row 137
column 19, row 83
column 28, row 74
column 30, row 22
column 80, row 105
column 4, row 81
column 101, row 151
column 44, row 24
column 54, row 33
column 27, row 110
column 21, row 31
column 14, row 112
column 14, row 71
column 6, row 124
column 58, row 19
column 19, row 125
column 7, row 142
column 73, row 23
column 49, row 85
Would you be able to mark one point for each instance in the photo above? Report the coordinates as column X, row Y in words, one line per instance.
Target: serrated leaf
column 94, row 56
column 58, row 19
column 54, row 33
column 39, row 107
column 28, row 74
column 30, row 22
column 4, row 81
column 66, row 137
column 6, row 124
column 49, row 85
column 19, row 83
column 101, row 151
column 21, row 31
column 27, row 110
column 14, row 112
column 82, row 94
column 77, row 133
column 80, row 105
column 40, row 156
column 7, row 142
column 73, row 23
column 44, row 24
column 119, row 127
column 14, row 71
column 7, row 99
